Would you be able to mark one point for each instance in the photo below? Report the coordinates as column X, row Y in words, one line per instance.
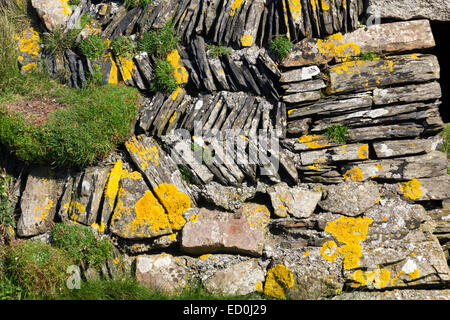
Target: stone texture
column 239, row 279
column 53, row 13
column 364, row 75
column 162, row 272
column 410, row 93
column 296, row 201
column 387, row 38
column 398, row 148
column 39, row 201
column 302, row 74
column 404, row 294
column 350, row 198
column 215, row 231
column 438, row 10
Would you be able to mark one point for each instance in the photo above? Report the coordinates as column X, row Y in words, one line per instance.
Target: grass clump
column 159, row 43
column 98, row 118
column 80, row 244
column 123, row 46
column 85, row 19
column 368, row 56
column 281, row 46
column 6, row 212
column 337, row 132
column 93, row 46
column 135, row 3
column 38, row 269
column 74, row 2
column 163, row 77
column 58, row 41
column 218, row 50
column 446, row 142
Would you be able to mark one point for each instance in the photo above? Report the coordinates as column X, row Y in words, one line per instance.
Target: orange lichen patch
column 394, row 280
column 74, row 210
column 410, row 189
column 41, row 213
column 354, row 174
column 259, row 217
column 175, row 202
column 325, row 5
column 114, row 71
column 135, row 175
column 175, row 94
column 100, row 228
column 193, row 218
column 290, row 111
column 149, row 214
column 329, row 251
column 414, row 275
column 126, row 66
column 205, row 256
column 145, row 156
column 378, row 278
column 295, row 7
column 347, row 51
column 259, row 286
column 313, row 4
column 66, row 8
column 278, row 281
column 28, row 42
column 328, row 45
column 314, row 141
column 112, row 184
column 363, row 152
column 246, row 40
column 180, row 73
column 234, row 6
column 307, row 253
column 350, row 231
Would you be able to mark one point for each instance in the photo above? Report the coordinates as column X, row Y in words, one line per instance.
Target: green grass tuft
column 80, row 244
column 58, row 41
column 163, row 77
column 368, row 56
column 93, row 46
column 135, row 3
column 281, row 46
column 123, row 46
column 337, row 132
column 218, row 50
column 159, row 43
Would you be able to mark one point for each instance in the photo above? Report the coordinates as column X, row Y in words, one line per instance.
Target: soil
column 35, row 110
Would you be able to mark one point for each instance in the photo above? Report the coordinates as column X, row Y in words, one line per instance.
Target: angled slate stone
column 411, row 93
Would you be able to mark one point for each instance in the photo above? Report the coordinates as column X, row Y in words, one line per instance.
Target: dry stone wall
column 291, row 212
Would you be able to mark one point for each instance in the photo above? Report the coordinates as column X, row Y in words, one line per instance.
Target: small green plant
column 97, row 77
column 85, row 19
column 218, row 50
column 281, row 46
column 80, row 244
column 337, row 132
column 368, row 56
column 445, row 134
column 74, row 2
column 185, row 174
column 123, row 46
column 163, row 77
column 135, row 3
column 37, row 268
column 159, row 43
column 93, row 46
column 58, row 41
column 6, row 212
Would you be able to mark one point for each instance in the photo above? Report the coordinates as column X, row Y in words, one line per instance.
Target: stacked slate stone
column 335, row 216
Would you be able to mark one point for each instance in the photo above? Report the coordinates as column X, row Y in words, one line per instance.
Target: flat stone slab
column 213, row 231
column 438, row 10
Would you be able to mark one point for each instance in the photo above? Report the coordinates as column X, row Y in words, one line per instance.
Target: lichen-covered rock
column 350, row 198
column 278, row 281
column 404, row 294
column 162, row 272
column 53, row 13
column 438, row 10
column 239, row 279
column 215, row 231
column 138, row 213
column 39, row 201
column 29, row 46
column 299, row 202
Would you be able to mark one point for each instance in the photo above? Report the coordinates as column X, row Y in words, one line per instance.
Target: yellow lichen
column 112, row 184
column 175, row 94
column 205, row 256
column 126, row 66
column 180, row 73
column 29, row 42
column 329, row 251
column 193, row 218
column 278, row 281
column 349, row 231
column 100, row 228
column 354, row 174
column 414, row 275
column 65, row 7
column 145, row 156
column 175, row 202
column 295, row 6
column 74, row 209
column 259, row 217
column 259, row 286
column 410, row 189
column 42, row 212
column 234, row 6
column 246, row 40
column 314, row 141
column 114, row 71
column 150, row 214
column 363, row 152
column 378, row 278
